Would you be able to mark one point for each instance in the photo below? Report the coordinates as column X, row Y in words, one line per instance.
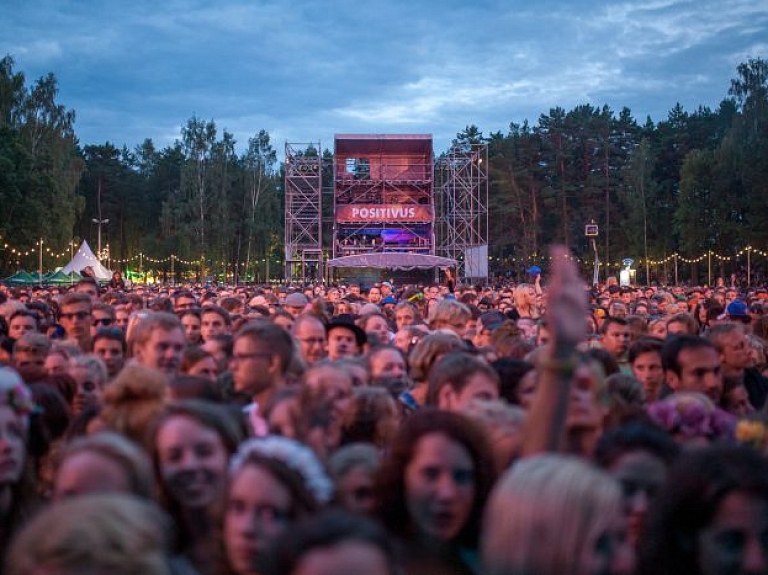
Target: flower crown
column 293, row 454
column 683, row 416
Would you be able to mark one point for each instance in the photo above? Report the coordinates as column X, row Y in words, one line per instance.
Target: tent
column 391, row 260
column 21, row 278
column 60, row 278
column 85, row 258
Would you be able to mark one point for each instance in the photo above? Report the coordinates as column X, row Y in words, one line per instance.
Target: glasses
column 105, row 322
column 78, row 314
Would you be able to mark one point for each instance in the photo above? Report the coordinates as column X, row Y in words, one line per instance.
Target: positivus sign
column 405, row 213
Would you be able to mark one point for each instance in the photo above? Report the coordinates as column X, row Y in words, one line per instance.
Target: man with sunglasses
column 75, row 317
column 103, row 316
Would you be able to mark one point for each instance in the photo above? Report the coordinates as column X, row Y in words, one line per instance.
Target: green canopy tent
column 21, row 278
column 60, row 278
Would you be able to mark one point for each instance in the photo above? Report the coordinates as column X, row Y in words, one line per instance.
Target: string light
column 19, row 252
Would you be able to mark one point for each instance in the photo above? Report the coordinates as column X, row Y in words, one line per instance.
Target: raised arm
column 566, row 320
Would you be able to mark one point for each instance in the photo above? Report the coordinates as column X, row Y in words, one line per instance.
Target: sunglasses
column 105, row 322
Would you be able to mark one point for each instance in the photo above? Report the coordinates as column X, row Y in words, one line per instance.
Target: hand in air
column 566, row 302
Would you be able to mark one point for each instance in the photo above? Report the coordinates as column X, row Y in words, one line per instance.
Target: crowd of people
column 543, row 428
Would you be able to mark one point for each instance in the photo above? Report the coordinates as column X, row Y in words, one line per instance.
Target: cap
column 736, row 308
column 295, row 299
column 389, row 285
column 388, row 299
column 490, row 320
column 257, row 300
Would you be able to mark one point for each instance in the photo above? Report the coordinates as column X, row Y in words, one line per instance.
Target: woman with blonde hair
column 111, row 533
column 555, row 515
column 525, row 301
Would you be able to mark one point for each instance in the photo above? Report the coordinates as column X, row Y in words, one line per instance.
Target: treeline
column 693, row 182
column 217, row 211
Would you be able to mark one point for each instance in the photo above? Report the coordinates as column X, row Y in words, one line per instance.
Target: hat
column 533, row 270
column 389, row 285
column 345, row 321
column 490, row 320
column 737, row 308
column 258, row 300
column 388, row 299
column 295, row 299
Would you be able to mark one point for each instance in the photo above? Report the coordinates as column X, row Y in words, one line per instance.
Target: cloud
column 37, row 52
column 305, row 69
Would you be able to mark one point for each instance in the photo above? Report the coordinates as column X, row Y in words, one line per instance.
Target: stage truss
column 303, row 211
column 462, row 205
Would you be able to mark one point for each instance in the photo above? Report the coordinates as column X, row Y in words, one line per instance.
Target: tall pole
column 40, row 266
column 173, row 275
column 99, row 221
column 709, row 268
column 749, row 265
column 675, row 268
column 596, row 267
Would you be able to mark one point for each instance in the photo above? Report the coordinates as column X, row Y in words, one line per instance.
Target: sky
column 305, row 70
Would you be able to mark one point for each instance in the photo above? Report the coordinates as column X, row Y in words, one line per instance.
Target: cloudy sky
column 305, row 70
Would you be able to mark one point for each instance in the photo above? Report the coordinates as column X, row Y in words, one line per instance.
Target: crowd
column 544, row 428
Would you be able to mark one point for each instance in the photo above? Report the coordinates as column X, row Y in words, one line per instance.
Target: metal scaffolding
column 462, row 207
column 303, row 211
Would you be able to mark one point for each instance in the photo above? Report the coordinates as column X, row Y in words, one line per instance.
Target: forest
column 692, row 184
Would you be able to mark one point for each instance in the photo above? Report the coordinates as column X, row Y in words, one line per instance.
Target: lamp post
column 40, row 265
column 99, row 222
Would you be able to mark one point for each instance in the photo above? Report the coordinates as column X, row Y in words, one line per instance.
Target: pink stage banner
column 401, row 213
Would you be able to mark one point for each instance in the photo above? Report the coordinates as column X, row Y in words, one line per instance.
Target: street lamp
column 99, row 223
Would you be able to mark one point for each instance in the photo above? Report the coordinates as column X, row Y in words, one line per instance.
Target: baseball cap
column 737, row 308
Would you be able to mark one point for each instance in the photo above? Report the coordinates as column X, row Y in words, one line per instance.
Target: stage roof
column 392, row 261
column 383, row 144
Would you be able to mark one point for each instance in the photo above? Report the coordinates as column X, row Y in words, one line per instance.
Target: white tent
column 85, row 258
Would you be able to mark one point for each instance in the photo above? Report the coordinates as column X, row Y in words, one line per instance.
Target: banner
column 396, row 213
